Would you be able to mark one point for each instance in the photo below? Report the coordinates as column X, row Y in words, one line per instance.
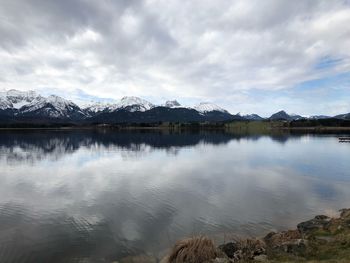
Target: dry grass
column 193, row 250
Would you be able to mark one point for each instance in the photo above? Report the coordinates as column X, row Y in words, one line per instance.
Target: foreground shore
column 321, row 239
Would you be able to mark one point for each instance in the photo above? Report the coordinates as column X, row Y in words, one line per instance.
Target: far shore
column 154, row 128
column 241, row 126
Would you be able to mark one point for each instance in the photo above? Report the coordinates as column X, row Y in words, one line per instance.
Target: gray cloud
column 193, row 50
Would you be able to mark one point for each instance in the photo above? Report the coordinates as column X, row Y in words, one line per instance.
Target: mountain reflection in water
column 34, row 146
column 99, row 195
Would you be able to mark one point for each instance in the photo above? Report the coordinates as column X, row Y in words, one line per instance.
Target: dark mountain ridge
column 32, row 108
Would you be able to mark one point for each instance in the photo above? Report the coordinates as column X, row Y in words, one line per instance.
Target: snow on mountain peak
column 15, row 99
column 5, row 104
column 133, row 104
column 96, row 107
column 53, row 106
column 21, row 94
column 30, row 102
column 204, row 107
column 129, row 101
column 60, row 103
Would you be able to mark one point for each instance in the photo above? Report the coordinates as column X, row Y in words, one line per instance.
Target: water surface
column 98, row 196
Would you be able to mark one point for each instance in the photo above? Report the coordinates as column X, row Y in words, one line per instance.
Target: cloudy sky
column 246, row 55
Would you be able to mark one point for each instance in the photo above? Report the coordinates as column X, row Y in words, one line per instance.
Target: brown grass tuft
column 193, row 250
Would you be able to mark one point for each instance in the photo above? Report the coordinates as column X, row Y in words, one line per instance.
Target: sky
column 248, row 56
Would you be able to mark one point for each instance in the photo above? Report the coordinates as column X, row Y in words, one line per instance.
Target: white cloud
column 197, row 50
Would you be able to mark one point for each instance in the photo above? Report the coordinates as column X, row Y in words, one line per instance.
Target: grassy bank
column 261, row 127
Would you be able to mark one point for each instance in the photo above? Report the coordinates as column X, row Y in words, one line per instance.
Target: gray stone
column 260, row 258
column 229, row 249
column 295, row 247
column 221, row 260
column 319, row 222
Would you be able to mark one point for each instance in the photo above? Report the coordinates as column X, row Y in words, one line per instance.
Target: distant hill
column 282, row 115
column 253, row 117
column 330, row 122
column 343, row 116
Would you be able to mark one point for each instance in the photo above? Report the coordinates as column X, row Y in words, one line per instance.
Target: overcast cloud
column 248, row 55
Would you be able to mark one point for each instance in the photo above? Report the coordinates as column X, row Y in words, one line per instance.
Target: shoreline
column 321, row 239
column 263, row 126
column 222, row 128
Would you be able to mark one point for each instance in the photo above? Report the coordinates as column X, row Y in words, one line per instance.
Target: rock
column 319, row 222
column 276, row 239
column 325, row 238
column 345, row 213
column 260, row 258
column 243, row 249
column 139, row 259
column 322, row 217
column 269, row 236
column 287, row 241
column 295, row 247
column 339, row 225
column 229, row 249
column 221, row 260
column 164, row 260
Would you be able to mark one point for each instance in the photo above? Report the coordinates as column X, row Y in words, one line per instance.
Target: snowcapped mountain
column 131, row 104
column 5, row 104
column 29, row 104
column 205, row 107
column 97, row 107
column 31, row 107
column 345, row 116
column 135, row 110
column 319, row 117
column 53, row 107
column 15, row 99
column 172, row 104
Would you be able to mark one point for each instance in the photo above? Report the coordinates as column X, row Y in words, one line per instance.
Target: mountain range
column 19, row 106
column 29, row 106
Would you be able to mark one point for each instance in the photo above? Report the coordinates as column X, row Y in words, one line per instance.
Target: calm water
column 98, row 196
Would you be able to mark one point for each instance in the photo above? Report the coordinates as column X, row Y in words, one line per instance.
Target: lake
column 101, row 195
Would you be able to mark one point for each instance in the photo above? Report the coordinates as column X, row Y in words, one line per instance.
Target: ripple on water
column 85, row 196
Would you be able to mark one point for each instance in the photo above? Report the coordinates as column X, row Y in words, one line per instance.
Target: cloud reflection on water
column 107, row 195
